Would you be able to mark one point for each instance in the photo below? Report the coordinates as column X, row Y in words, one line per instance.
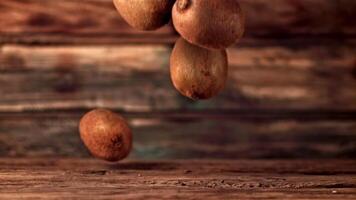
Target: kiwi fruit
column 106, row 134
column 196, row 72
column 214, row 24
column 145, row 14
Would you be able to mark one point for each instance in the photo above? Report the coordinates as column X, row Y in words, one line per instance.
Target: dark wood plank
column 283, row 18
column 264, row 76
column 96, row 21
column 167, row 136
column 41, row 21
column 258, row 179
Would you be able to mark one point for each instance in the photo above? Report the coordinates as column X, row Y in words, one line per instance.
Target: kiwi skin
column 196, row 72
column 145, row 14
column 213, row 24
column 106, row 134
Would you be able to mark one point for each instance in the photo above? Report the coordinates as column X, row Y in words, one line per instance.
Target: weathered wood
column 46, row 20
column 296, row 53
column 291, row 91
column 166, row 136
column 136, row 78
column 96, row 21
column 257, row 179
column 299, row 17
column 120, row 59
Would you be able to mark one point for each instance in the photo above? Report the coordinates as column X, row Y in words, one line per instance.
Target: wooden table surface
column 178, row 179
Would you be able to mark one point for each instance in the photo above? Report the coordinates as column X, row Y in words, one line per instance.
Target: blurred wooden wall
column 291, row 92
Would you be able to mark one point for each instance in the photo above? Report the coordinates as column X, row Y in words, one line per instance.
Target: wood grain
column 279, row 76
column 44, row 20
column 290, row 94
column 208, row 179
column 283, row 18
column 96, row 21
column 182, row 135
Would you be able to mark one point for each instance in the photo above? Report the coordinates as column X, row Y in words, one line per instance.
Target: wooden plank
column 189, row 166
column 299, row 17
column 121, row 59
column 51, row 20
column 166, row 136
column 257, row 179
column 96, row 21
column 281, row 76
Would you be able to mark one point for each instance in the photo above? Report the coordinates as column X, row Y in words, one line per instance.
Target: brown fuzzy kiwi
column 196, row 72
column 106, row 134
column 213, row 24
column 145, row 14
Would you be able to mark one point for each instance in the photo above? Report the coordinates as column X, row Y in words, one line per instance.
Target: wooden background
column 291, row 92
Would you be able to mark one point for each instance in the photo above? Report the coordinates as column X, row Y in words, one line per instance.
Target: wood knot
column 41, row 20
column 353, row 70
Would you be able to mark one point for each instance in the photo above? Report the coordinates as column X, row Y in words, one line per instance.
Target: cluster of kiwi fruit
column 198, row 64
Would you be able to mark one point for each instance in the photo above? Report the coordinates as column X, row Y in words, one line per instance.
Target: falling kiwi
column 145, row 14
column 214, row 24
column 106, row 134
column 196, row 72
